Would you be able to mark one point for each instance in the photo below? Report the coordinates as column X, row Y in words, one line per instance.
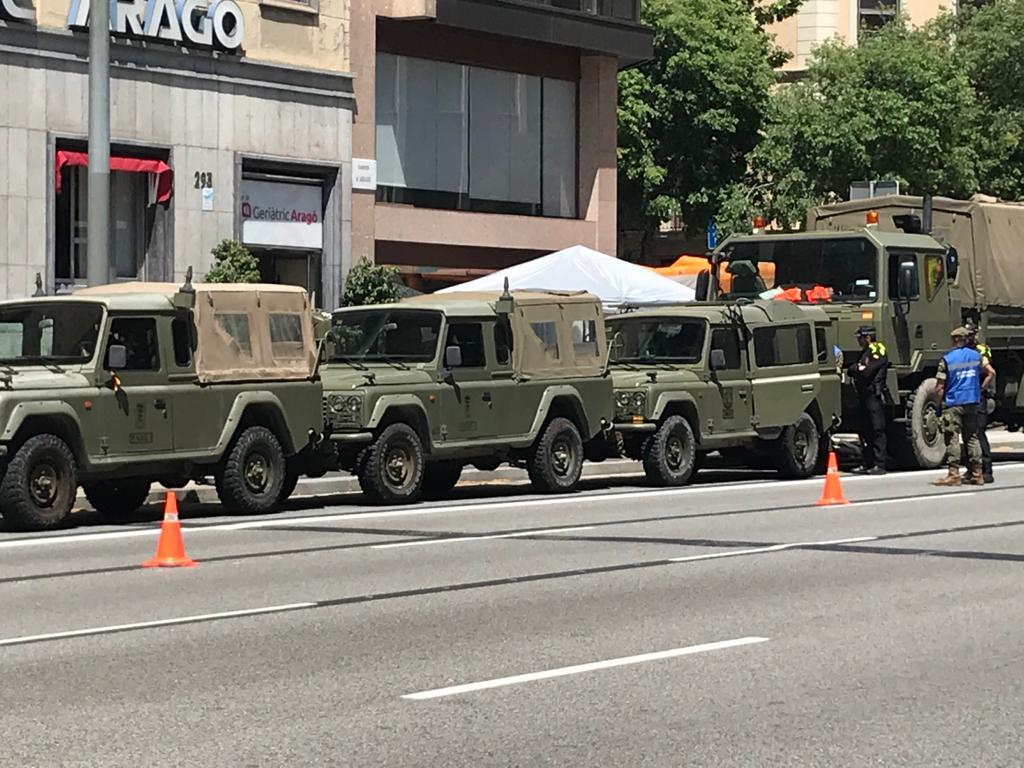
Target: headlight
column 638, row 400
column 336, row 402
column 622, row 399
column 354, row 405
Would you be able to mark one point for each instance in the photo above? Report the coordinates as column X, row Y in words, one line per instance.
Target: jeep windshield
column 810, row 270
column 49, row 334
column 660, row 340
column 388, row 336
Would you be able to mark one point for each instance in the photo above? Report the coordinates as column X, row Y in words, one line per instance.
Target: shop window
column 236, row 326
column 727, row 340
column 138, row 336
column 786, row 345
column 469, row 337
column 470, row 138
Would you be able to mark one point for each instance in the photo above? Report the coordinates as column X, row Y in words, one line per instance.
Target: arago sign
column 11, row 10
column 197, row 23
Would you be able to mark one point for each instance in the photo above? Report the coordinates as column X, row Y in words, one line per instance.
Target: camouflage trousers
column 960, row 422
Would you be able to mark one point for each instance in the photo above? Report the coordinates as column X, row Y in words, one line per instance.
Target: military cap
column 867, row 330
column 960, row 333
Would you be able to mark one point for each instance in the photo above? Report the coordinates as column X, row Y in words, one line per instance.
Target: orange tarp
column 690, row 266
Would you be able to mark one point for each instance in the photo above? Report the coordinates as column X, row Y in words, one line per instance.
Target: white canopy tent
column 618, row 283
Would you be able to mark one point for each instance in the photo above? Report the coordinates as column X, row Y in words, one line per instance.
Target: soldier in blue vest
column 959, row 389
column 988, row 393
column 868, row 376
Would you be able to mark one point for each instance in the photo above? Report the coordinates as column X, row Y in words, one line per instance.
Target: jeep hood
column 623, row 378
column 337, row 377
column 40, row 378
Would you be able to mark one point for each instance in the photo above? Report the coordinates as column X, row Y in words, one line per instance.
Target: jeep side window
column 821, row 341
column 182, row 341
column 469, row 337
column 503, row 341
column 785, row 345
column 138, row 336
column 728, row 341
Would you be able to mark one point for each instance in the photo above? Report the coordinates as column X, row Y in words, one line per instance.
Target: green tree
column 688, row 117
column 233, row 263
column 369, row 283
column 990, row 48
column 897, row 106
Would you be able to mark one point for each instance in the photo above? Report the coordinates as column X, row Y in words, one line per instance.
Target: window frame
column 734, row 332
column 776, row 329
column 133, row 372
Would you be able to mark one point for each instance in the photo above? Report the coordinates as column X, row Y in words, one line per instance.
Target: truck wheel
column 920, row 445
column 671, row 456
column 441, row 476
column 797, row 450
column 39, row 486
column 253, row 474
column 117, row 498
column 391, row 471
column 556, row 460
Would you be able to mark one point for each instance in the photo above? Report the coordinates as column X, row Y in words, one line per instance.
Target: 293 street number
column 204, row 179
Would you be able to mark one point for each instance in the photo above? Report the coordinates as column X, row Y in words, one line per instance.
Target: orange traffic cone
column 170, row 549
column 833, row 493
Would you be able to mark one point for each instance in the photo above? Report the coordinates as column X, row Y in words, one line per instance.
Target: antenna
column 39, row 286
column 506, row 294
column 188, row 287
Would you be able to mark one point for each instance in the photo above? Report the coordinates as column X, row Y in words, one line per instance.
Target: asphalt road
column 729, row 624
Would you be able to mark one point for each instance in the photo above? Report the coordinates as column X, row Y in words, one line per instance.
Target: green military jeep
column 120, row 386
column 415, row 391
column 757, row 379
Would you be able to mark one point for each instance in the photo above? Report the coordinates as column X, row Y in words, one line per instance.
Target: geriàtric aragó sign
column 192, row 23
column 282, row 215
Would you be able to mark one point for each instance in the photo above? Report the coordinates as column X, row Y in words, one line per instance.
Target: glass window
column 138, row 336
column 286, row 336
column 727, row 340
column 181, row 333
column 895, row 260
column 661, row 340
column 237, row 327
column 469, row 337
column 786, row 345
column 48, row 333
column 935, row 273
column 821, row 341
column 405, row 336
column 584, row 338
column 873, row 14
column 548, row 335
column 503, row 341
column 460, row 137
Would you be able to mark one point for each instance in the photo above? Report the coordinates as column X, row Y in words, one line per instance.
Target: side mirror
column 117, row 357
column 703, row 285
column 952, row 262
column 452, row 357
column 717, row 360
column 908, row 284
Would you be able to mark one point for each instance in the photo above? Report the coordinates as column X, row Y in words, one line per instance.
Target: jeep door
column 467, row 402
column 131, row 415
column 785, row 374
column 199, row 412
column 730, row 405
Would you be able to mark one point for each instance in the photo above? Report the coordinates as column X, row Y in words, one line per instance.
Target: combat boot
column 986, row 472
column 976, row 477
column 951, row 478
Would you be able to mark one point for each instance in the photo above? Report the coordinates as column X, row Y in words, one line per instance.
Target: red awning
column 163, row 172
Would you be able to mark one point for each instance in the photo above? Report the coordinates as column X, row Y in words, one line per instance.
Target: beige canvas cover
column 987, row 233
column 558, row 336
column 245, row 331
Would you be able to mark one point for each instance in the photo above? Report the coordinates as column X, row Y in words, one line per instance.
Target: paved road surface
column 717, row 625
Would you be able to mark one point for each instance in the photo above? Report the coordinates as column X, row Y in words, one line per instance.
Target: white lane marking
column 581, row 668
column 905, row 499
column 158, row 623
column 458, row 539
column 773, row 548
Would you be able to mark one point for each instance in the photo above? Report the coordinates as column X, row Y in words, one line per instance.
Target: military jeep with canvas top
column 120, row 386
column 758, row 379
column 417, row 390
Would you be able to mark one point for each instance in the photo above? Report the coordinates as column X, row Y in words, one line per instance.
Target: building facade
column 485, row 130
column 821, row 20
column 229, row 120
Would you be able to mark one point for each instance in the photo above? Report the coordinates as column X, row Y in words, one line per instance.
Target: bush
column 233, row 263
column 369, row 283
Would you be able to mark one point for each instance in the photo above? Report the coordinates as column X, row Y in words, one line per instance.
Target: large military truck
column 417, row 390
column 116, row 387
column 914, row 268
column 757, row 379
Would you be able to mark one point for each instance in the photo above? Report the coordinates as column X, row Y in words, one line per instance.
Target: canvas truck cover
column 244, row 332
column 988, row 235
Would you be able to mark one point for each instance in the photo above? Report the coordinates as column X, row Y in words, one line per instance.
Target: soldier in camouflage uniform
column 959, row 389
column 988, row 391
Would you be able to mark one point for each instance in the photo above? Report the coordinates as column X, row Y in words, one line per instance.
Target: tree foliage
column 370, row 283
column 688, row 118
column 233, row 263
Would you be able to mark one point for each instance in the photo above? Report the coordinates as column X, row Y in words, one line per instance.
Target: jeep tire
column 798, row 448
column 670, row 456
column 555, row 462
column 40, row 484
column 440, row 477
column 390, row 471
column 253, row 474
column 117, row 498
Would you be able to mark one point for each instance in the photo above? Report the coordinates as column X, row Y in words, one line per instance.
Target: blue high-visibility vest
column 963, row 377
